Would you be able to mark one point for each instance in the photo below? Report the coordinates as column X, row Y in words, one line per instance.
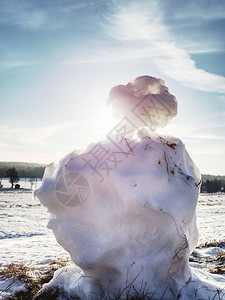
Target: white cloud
column 202, row 9
column 207, row 151
column 74, row 6
column 31, row 15
column 31, row 136
column 14, row 64
column 205, row 136
column 136, row 21
column 143, row 23
column 22, row 14
column 199, row 134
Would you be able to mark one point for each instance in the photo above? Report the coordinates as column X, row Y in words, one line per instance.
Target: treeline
column 24, row 170
column 210, row 183
column 213, row 184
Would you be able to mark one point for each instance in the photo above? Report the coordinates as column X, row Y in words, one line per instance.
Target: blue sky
column 59, row 59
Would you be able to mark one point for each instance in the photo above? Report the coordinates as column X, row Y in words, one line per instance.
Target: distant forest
column 213, row 184
column 210, row 183
column 24, row 170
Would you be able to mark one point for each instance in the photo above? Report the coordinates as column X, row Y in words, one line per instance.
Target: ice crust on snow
column 135, row 226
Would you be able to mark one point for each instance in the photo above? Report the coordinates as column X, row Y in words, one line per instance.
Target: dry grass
column 220, row 256
column 33, row 278
column 24, row 273
column 220, row 244
column 214, row 264
column 219, row 267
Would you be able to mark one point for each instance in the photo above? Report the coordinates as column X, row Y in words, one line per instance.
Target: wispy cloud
column 207, row 151
column 197, row 48
column 31, row 136
column 207, row 137
column 22, row 14
column 142, row 23
column 12, row 58
column 201, row 10
column 73, row 6
column 33, row 15
column 14, row 64
column 189, row 133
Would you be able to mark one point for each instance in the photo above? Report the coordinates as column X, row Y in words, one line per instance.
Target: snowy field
column 210, row 217
column 24, row 235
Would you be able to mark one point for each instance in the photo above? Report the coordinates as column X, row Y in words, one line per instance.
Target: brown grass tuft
column 33, row 278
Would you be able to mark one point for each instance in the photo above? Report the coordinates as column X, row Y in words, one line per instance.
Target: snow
column 124, row 209
column 110, row 234
column 212, row 251
column 211, row 215
column 11, row 287
column 27, row 220
column 69, row 279
column 145, row 101
column 41, row 249
column 202, row 286
column 26, row 184
column 23, row 230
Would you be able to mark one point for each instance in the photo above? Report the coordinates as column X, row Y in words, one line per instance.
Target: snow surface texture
column 38, row 250
column 127, row 217
column 145, row 101
column 34, row 243
column 23, row 232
